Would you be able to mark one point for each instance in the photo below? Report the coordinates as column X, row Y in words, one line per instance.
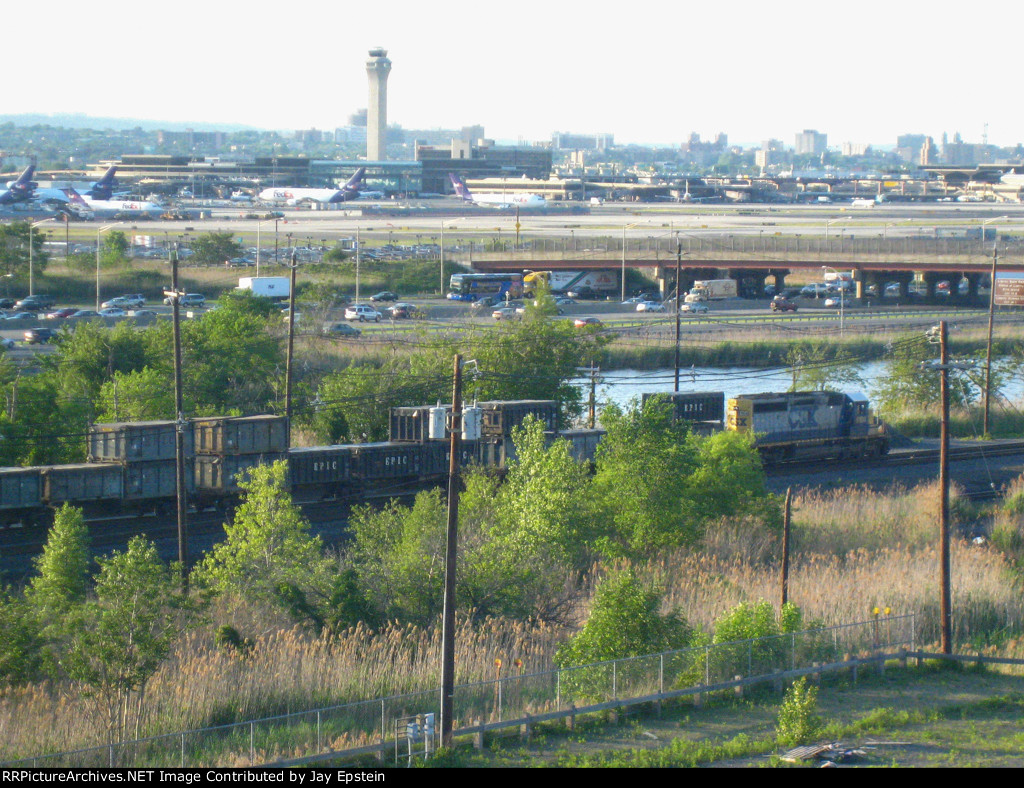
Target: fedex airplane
column 103, row 189
column 497, row 199
column 349, row 191
column 21, row 189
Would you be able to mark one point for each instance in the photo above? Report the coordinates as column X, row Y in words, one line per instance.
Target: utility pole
column 988, row 354
column 785, row 545
column 291, row 346
column 181, row 425
column 592, row 399
column 946, row 600
column 679, row 260
column 448, row 616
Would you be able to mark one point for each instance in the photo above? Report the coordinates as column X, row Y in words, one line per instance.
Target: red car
column 60, row 314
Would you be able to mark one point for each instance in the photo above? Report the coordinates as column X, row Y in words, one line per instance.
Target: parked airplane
column 103, row 189
column 22, row 189
column 104, row 208
column 497, row 199
column 863, row 202
column 294, row 196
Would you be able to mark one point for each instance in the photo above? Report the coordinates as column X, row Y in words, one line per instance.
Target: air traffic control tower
column 377, row 69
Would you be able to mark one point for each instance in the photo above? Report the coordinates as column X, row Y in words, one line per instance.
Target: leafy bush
column 797, row 721
column 625, row 622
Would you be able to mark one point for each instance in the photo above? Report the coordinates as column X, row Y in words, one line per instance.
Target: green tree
column 640, row 486
column 115, row 251
column 123, row 635
column 22, row 644
column 14, row 252
column 215, row 248
column 625, row 621
column 62, row 578
column 268, row 552
column 820, row 368
column 729, row 480
column 904, row 385
column 543, row 501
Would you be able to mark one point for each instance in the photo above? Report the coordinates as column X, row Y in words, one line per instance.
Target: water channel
column 624, row 385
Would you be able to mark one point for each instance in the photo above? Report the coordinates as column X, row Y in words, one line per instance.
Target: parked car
column 362, row 313
column 697, row 308
column 782, row 304
column 384, row 295
column 341, row 330
column 39, row 336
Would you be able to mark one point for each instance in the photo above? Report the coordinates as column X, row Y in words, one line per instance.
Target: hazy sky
column 645, row 71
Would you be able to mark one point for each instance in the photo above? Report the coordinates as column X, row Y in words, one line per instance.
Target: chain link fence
column 368, row 725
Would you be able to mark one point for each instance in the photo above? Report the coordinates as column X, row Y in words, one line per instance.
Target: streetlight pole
column 98, row 233
column 31, row 270
column 842, row 297
column 358, row 244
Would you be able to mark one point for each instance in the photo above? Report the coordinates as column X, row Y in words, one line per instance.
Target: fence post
column 558, row 689
column 319, row 746
column 615, row 680
column 252, row 743
column 792, row 653
column 183, row 750
column 707, row 664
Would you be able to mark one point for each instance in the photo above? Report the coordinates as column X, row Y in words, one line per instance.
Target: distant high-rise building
column 811, row 142
column 377, row 69
column 908, row 147
column 471, row 134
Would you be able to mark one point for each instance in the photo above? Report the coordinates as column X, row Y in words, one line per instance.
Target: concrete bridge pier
column 973, row 284
column 748, row 282
column 778, row 277
column 931, row 280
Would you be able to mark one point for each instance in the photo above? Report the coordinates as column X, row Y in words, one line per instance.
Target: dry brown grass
column 852, row 551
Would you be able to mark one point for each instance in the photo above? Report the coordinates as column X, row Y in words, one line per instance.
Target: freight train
column 132, row 465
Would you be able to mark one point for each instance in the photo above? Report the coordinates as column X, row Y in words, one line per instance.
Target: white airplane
column 497, row 199
column 1012, row 178
column 295, row 196
column 863, row 202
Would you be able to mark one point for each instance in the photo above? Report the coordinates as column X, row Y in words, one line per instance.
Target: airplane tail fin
column 356, row 181
column 461, row 190
column 24, row 180
column 103, row 189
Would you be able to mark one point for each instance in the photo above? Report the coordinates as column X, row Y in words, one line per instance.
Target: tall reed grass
column 852, row 551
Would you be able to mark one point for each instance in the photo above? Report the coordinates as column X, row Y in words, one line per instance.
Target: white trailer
column 267, row 286
column 711, row 290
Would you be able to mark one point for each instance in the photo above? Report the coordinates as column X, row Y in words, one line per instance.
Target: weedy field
column 914, row 717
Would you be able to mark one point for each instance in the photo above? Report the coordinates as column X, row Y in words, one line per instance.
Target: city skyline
column 866, row 74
